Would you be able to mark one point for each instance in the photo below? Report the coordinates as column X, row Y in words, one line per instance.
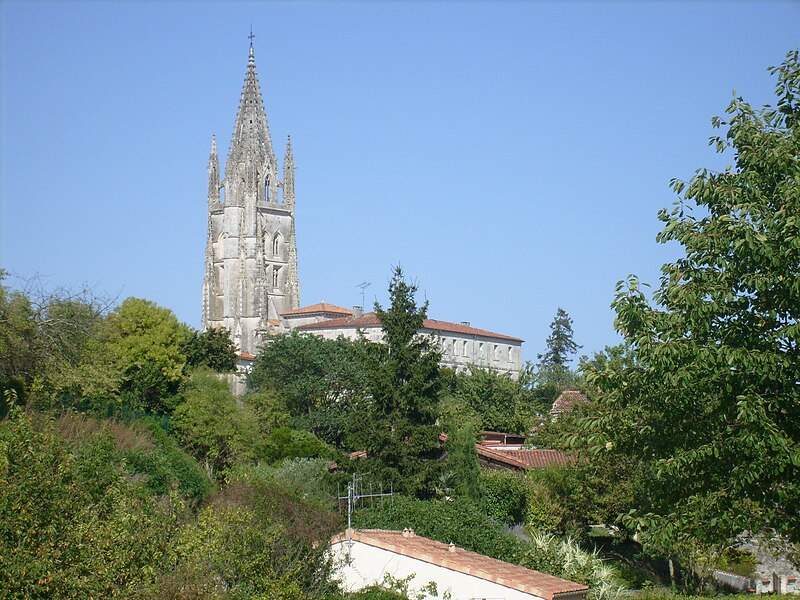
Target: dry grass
column 77, row 428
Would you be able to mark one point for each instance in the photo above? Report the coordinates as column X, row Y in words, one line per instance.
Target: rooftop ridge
column 465, row 561
column 370, row 319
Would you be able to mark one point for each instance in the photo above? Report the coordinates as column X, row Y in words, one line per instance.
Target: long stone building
column 251, row 284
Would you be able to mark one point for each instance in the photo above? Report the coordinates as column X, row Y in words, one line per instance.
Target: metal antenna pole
column 354, row 494
column 363, row 285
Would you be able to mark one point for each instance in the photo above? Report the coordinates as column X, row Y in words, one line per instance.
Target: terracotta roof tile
column 371, row 320
column 471, row 563
column 320, row 307
column 526, row 458
column 567, row 400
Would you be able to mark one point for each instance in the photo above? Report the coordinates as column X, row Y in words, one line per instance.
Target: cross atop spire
column 251, row 36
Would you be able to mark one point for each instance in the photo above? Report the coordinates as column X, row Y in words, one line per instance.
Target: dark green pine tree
column 463, row 470
column 399, row 432
column 554, row 363
column 560, row 344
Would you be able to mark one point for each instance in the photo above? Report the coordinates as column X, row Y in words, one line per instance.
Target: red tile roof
column 371, row 320
column 567, row 401
column 320, row 307
column 463, row 561
column 525, row 458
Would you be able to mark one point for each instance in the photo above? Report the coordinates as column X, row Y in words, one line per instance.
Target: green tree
column 501, row 402
column 48, row 346
column 212, row 348
column 17, row 341
column 711, row 403
column 462, row 468
column 145, row 344
column 554, row 363
column 399, row 430
column 322, row 382
column 212, row 426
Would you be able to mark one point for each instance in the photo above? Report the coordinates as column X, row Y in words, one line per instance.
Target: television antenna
column 355, row 493
column 363, row 285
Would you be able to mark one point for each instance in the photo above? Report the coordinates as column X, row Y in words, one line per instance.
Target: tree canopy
column 711, row 403
column 145, row 342
column 212, row 348
column 399, row 430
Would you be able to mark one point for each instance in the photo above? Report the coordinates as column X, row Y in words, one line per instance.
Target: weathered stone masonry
column 251, row 252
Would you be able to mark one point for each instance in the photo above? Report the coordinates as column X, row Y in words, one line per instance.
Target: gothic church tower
column 251, row 252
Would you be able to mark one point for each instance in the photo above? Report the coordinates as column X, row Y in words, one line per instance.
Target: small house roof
column 567, row 400
column 525, row 458
column 319, row 307
column 407, row 543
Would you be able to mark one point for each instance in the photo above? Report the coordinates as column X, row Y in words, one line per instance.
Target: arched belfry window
column 266, row 188
column 275, row 276
column 276, row 245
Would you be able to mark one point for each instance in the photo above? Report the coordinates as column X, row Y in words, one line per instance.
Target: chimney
column 358, row 312
column 465, row 323
column 451, row 547
column 408, row 533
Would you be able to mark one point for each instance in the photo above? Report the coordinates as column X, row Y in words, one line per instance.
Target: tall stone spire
column 250, row 156
column 251, row 254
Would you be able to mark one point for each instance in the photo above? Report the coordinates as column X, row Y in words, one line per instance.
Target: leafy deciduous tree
column 212, row 426
column 145, row 343
column 212, row 348
column 712, row 401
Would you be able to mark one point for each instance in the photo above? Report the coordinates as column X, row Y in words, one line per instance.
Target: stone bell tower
column 251, row 252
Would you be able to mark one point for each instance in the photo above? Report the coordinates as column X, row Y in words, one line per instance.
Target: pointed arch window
column 266, row 188
column 275, row 276
column 276, row 245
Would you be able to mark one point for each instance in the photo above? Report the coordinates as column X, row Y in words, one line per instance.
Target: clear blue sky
column 511, row 156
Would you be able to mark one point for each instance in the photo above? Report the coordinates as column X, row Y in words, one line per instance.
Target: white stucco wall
column 458, row 351
column 369, row 565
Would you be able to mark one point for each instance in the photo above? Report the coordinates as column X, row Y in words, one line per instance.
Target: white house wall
column 369, row 565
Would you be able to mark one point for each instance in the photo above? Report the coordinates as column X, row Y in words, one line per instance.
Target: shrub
column 71, row 523
column 460, row 522
column 166, row 466
column 505, row 495
column 254, row 540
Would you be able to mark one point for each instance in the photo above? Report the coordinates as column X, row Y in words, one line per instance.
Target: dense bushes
column 72, row 523
column 460, row 522
column 167, row 467
column 253, row 540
